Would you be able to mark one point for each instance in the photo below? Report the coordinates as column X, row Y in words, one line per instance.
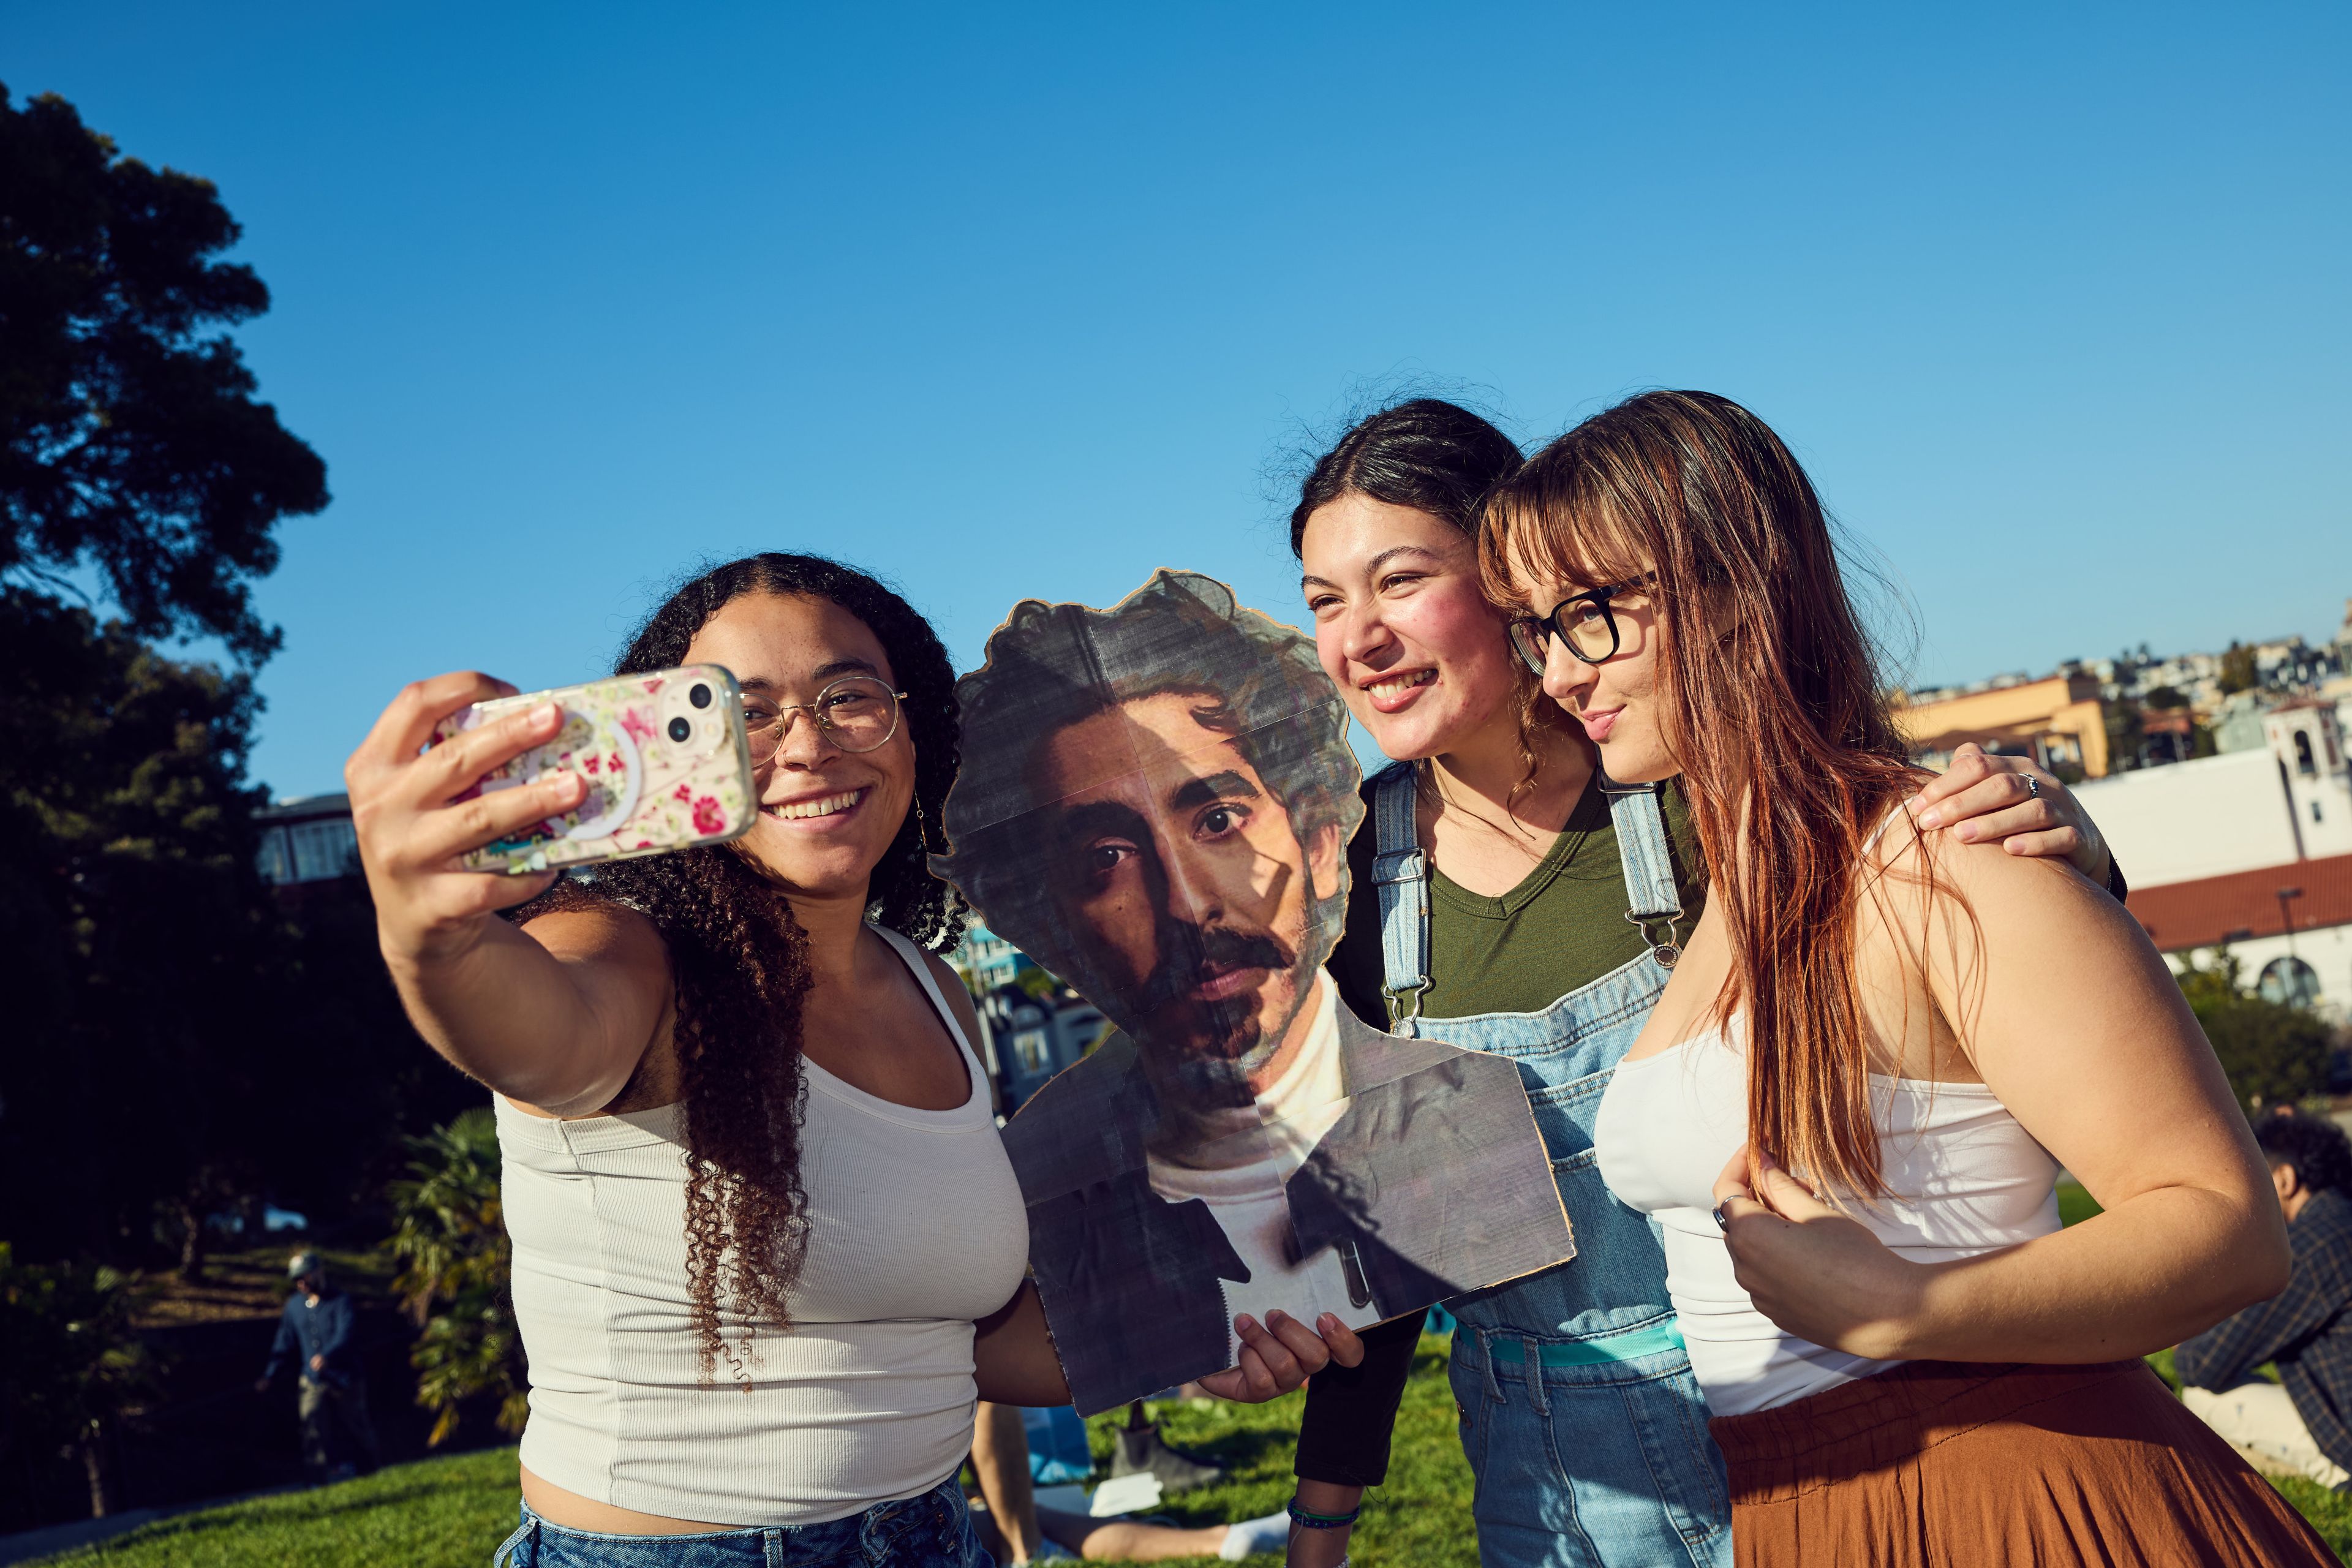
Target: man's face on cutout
column 1188, row 893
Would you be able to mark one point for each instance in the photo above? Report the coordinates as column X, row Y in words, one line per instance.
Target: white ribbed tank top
column 1965, row 1178
column 916, row 1228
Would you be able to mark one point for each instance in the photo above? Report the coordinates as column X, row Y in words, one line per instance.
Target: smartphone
column 667, row 764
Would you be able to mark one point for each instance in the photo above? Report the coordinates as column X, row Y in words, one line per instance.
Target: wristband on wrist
column 1323, row 1521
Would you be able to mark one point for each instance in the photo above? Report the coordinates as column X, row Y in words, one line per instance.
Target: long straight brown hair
column 1773, row 704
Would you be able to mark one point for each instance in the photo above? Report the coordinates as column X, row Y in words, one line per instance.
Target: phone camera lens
column 681, row 730
column 699, row 695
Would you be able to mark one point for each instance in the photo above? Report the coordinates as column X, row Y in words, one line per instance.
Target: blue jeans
column 930, row 1530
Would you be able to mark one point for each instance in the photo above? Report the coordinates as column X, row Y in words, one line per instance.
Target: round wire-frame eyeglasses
column 855, row 713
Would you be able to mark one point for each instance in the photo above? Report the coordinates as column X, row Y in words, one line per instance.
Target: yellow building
column 2057, row 721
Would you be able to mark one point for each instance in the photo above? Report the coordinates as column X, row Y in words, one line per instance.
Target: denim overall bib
column 1584, row 1427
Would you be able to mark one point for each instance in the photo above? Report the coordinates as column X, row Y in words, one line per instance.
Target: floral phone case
column 667, row 766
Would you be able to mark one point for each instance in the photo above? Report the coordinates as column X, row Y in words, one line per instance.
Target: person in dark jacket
column 2305, row 1419
column 317, row 1332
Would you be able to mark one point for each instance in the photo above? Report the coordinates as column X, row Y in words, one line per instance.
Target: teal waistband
column 1627, row 1346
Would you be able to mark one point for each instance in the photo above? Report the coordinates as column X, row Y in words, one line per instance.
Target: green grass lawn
column 436, row 1513
column 450, row 1513
column 1421, row 1516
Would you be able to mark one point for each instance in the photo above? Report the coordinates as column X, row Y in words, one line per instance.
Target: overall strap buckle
column 1400, row 880
column 1652, row 901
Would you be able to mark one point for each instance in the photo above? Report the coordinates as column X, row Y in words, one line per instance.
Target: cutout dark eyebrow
column 1083, row 821
column 1211, row 788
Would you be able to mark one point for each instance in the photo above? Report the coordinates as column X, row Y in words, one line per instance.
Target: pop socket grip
column 604, row 754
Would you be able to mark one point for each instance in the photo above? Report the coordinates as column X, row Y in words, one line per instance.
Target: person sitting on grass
column 2304, row 1420
column 1016, row 1530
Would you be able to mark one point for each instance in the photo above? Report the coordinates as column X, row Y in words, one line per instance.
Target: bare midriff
column 573, row 1511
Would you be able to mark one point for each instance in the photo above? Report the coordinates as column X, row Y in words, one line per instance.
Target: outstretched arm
column 557, row 1017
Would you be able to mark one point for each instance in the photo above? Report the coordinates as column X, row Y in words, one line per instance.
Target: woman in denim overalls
column 1582, row 1419
column 1584, row 1428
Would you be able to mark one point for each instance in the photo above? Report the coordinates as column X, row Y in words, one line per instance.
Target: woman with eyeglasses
column 1850, row 1104
column 1506, row 896
column 767, row 1247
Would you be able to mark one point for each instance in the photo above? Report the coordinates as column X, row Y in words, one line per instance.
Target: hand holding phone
column 662, row 760
column 461, row 775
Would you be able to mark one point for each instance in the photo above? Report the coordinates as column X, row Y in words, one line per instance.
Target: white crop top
column 916, row 1228
column 1965, row 1178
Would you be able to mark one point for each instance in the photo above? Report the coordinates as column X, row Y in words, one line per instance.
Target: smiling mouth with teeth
column 1403, row 684
column 795, row 810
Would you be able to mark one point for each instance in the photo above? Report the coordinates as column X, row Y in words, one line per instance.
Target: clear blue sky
column 1006, row 302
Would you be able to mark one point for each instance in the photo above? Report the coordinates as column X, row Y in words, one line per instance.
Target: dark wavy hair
column 2315, row 1149
column 1052, row 665
column 739, row 957
column 1425, row 453
column 1440, row 459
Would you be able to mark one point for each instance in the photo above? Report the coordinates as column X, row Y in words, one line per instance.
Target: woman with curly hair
column 767, row 1247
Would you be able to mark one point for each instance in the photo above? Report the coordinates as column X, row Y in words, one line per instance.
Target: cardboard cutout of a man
column 1155, row 802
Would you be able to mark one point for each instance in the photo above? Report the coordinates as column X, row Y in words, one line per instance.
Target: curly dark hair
column 1052, row 666
column 739, row 958
column 2314, row 1148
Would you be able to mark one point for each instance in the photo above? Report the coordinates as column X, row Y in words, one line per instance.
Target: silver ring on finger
column 2032, row 785
column 1720, row 1223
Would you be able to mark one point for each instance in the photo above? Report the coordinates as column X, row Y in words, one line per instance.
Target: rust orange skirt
column 1957, row 1464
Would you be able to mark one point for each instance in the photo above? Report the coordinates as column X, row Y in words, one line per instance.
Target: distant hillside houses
column 1031, row 1025
column 2089, row 718
column 2221, row 781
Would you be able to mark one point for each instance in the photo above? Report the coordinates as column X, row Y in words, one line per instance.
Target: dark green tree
column 153, row 977
column 2122, row 721
column 2273, row 1054
column 138, row 926
column 72, row 1365
column 229, row 1049
column 455, row 1259
column 2238, row 672
column 131, row 442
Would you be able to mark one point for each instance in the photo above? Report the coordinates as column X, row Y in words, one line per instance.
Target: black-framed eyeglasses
column 855, row 713
column 1583, row 621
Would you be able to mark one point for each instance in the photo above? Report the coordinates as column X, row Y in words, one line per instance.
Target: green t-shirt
column 1563, row 927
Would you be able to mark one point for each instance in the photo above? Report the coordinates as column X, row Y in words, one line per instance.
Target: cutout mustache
column 1186, row 951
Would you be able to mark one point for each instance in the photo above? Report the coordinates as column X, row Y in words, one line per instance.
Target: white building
column 2202, row 819
column 2307, row 737
column 2290, row 928
column 308, row 839
column 2290, row 800
column 2251, row 850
